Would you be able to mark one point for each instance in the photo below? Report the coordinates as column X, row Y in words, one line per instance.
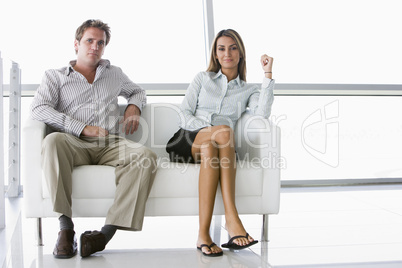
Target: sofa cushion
column 172, row 180
column 170, row 175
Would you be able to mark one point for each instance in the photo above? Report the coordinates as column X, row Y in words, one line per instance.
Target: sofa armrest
column 257, row 138
column 33, row 132
column 258, row 141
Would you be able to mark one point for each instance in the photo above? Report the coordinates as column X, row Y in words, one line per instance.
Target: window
column 152, row 41
column 314, row 41
column 339, row 137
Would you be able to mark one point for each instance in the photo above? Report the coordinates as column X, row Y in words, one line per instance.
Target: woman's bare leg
column 212, row 143
column 207, row 186
column 227, row 156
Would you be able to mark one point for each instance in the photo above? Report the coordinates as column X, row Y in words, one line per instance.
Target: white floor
column 316, row 227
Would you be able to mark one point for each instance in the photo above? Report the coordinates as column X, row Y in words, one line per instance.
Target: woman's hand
column 266, row 63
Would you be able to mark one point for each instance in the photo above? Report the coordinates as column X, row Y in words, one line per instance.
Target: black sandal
column 232, row 245
column 217, row 254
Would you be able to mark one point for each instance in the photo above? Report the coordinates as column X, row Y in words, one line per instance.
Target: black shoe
column 66, row 245
column 92, row 242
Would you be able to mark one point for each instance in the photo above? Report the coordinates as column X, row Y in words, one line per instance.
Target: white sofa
column 175, row 190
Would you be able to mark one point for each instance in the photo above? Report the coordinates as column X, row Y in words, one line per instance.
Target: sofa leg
column 39, row 231
column 216, row 228
column 264, row 229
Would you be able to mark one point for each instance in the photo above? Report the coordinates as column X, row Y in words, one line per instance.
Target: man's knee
column 144, row 158
column 54, row 139
column 150, row 157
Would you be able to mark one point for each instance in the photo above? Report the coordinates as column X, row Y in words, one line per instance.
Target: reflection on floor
column 316, row 227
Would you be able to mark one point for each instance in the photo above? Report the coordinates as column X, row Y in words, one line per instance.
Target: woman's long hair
column 215, row 66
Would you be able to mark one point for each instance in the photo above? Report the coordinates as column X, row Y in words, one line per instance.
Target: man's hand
column 93, row 131
column 131, row 119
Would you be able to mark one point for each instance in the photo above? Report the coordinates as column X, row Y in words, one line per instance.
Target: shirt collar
column 219, row 74
column 70, row 69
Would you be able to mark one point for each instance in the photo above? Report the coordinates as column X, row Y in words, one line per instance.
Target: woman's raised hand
column 266, row 63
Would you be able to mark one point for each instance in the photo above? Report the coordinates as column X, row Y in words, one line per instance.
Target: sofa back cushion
column 158, row 123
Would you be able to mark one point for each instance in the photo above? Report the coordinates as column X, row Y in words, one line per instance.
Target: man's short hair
column 93, row 23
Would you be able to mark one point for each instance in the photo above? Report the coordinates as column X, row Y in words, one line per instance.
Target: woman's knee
column 223, row 135
column 206, row 150
column 209, row 149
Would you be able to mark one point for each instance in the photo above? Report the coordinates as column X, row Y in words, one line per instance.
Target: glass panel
column 330, row 137
column 152, row 41
column 314, row 41
column 3, row 130
column 339, row 137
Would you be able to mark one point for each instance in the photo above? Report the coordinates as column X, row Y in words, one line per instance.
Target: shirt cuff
column 75, row 128
column 266, row 82
column 136, row 102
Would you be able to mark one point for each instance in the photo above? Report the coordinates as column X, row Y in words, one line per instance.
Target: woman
column 213, row 103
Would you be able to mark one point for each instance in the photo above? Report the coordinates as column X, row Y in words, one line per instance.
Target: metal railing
column 13, row 188
column 14, row 132
column 2, row 187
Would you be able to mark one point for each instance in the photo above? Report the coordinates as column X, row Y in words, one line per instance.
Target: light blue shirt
column 211, row 100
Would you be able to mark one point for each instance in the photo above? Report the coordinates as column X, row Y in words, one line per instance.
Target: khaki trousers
column 135, row 172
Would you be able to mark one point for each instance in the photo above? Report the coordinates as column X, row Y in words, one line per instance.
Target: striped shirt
column 67, row 102
column 210, row 100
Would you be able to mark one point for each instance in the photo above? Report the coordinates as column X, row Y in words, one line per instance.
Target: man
column 80, row 102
